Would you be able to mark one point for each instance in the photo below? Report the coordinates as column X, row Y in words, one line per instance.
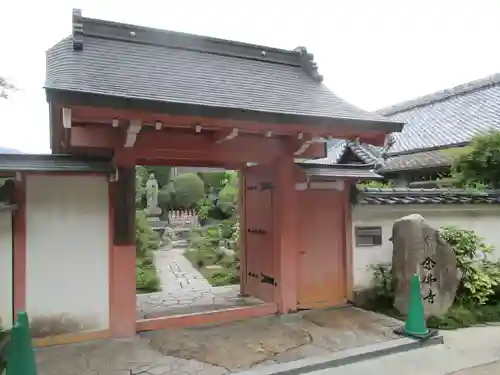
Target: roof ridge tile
column 83, row 26
column 441, row 95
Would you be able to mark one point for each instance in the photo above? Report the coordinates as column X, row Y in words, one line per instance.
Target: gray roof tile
column 333, row 155
column 172, row 67
column 448, row 117
column 418, row 160
column 367, row 153
column 341, row 171
column 51, row 163
column 387, row 196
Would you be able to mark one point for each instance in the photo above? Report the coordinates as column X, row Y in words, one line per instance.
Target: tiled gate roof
column 397, row 196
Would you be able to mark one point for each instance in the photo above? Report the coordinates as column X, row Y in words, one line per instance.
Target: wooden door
column 321, row 263
column 259, row 234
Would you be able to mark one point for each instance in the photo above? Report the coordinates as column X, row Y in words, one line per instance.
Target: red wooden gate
column 259, row 272
column 322, row 272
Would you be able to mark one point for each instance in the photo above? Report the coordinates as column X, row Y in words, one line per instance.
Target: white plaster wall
column 6, row 269
column 484, row 220
column 67, row 253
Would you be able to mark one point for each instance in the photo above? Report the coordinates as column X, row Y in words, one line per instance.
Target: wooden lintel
column 133, row 129
column 342, row 131
column 226, row 135
column 184, row 146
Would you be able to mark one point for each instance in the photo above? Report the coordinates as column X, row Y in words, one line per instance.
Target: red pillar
column 122, row 301
column 242, row 217
column 285, row 229
column 19, row 246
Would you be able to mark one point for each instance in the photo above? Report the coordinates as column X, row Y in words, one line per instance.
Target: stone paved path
column 221, row 349
column 185, row 290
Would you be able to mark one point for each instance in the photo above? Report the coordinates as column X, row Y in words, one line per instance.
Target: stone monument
column 152, row 190
column 418, row 248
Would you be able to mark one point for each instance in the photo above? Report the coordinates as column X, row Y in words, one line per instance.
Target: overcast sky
column 372, row 53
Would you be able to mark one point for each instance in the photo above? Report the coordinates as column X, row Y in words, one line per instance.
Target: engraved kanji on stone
column 429, row 297
column 428, row 263
column 429, row 279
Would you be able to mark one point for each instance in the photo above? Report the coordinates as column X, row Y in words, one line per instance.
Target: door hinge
column 267, row 280
column 266, row 186
column 253, row 274
column 252, row 187
column 256, row 231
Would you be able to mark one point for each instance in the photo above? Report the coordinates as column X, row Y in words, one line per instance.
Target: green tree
column 479, row 164
column 213, row 180
column 162, row 174
column 228, row 196
column 189, row 189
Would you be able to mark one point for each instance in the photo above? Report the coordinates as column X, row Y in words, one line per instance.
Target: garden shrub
column 215, row 180
column 189, row 189
column 205, row 245
column 146, row 242
column 479, row 275
column 145, row 237
column 226, row 277
column 228, row 196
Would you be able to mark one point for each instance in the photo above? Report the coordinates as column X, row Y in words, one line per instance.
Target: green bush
column 146, row 241
column 479, row 163
column 145, row 237
column 146, row 278
column 226, row 277
column 189, row 189
column 203, row 207
column 166, row 197
column 480, row 277
column 228, row 196
column 215, row 180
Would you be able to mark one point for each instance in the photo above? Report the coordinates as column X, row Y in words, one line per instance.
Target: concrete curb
column 345, row 357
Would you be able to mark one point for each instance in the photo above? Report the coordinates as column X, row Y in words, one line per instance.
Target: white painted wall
column 6, row 269
column 483, row 219
column 67, row 253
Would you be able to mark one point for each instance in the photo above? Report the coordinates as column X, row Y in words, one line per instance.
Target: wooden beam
column 185, row 163
column 226, row 135
column 95, row 137
column 344, row 130
column 184, row 146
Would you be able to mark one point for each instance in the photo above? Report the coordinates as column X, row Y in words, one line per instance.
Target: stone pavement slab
column 465, row 352
column 185, row 290
column 116, row 357
column 218, row 349
column 275, row 339
column 487, row 369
